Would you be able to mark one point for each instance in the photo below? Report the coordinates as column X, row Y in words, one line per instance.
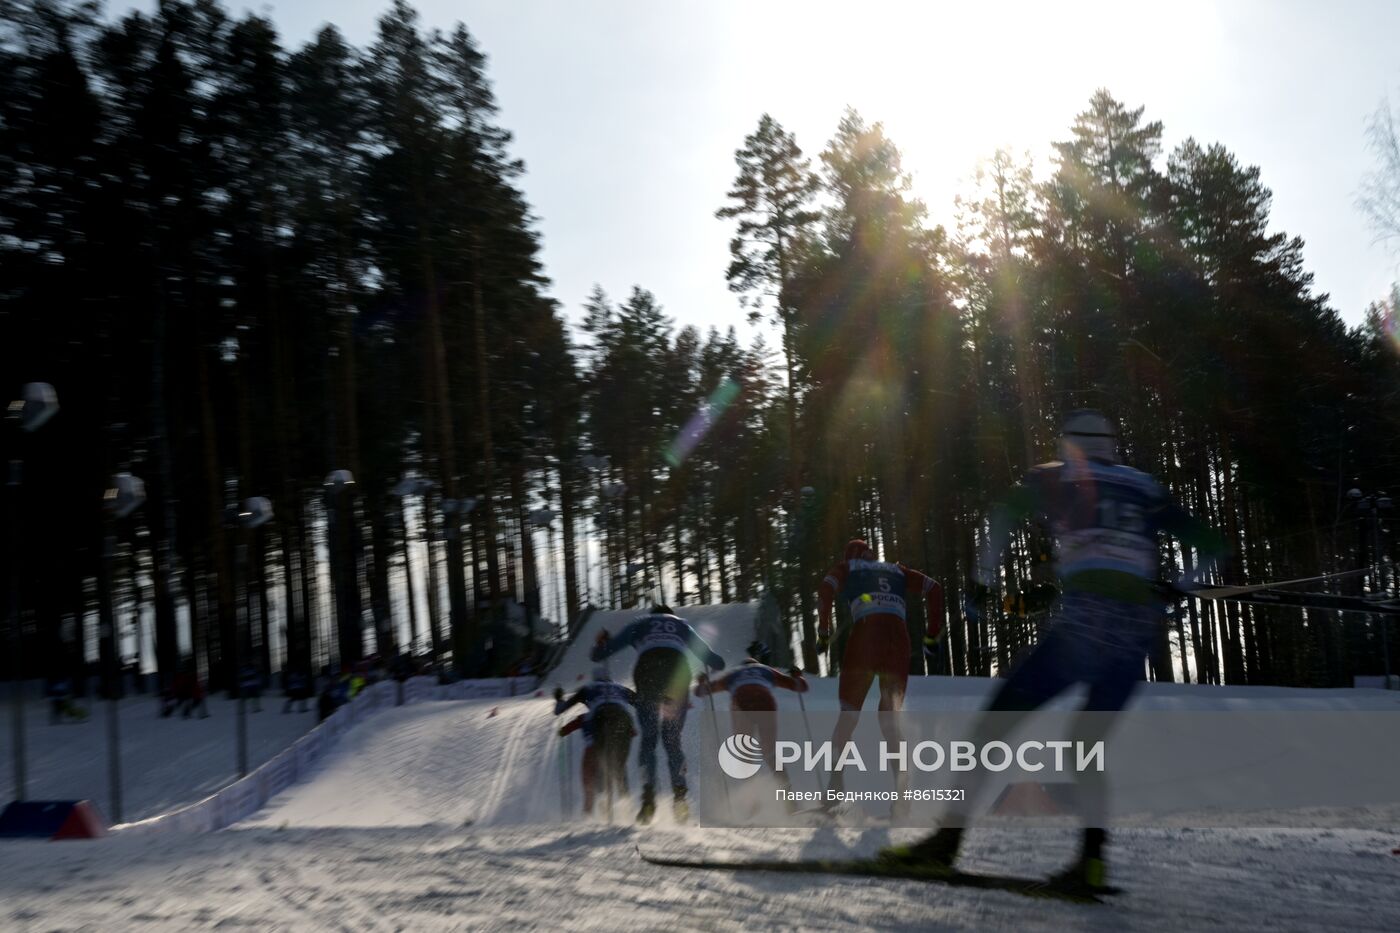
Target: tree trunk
column 568, row 509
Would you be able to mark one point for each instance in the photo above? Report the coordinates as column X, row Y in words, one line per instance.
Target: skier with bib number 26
column 661, row 677
column 877, row 646
column 1106, row 518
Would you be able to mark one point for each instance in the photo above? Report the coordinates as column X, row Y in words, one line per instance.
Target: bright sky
column 627, row 112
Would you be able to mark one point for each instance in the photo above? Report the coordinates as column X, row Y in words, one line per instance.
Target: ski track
column 585, row 877
column 441, row 816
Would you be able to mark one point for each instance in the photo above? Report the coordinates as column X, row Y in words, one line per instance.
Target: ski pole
column 563, row 766
column 563, row 781
column 807, row 723
column 569, row 772
column 714, row 721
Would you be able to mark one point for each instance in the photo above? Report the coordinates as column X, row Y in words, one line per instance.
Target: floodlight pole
column 124, row 496
column 240, row 609
column 12, row 487
column 112, row 676
column 1378, row 503
column 36, row 405
column 408, row 577
column 243, row 519
column 1373, row 505
column 405, row 489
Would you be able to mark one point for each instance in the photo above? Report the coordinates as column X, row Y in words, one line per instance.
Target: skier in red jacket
column 877, row 646
column 751, row 698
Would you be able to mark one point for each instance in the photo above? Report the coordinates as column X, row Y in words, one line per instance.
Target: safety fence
column 249, row 794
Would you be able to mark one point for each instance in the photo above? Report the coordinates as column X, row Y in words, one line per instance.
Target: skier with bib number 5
column 877, row 646
column 661, row 676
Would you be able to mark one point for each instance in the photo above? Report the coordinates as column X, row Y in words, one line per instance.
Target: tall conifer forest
column 311, row 274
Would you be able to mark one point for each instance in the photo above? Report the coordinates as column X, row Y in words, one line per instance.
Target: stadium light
column 124, row 496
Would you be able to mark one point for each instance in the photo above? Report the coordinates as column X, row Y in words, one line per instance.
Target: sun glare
column 954, row 82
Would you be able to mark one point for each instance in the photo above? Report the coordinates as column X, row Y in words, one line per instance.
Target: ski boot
column 679, row 806
column 935, row 855
column 1088, row 876
column 648, row 806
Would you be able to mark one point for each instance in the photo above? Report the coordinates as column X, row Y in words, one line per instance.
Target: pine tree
column 773, row 200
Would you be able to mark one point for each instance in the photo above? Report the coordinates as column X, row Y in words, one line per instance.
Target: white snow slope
column 449, row 816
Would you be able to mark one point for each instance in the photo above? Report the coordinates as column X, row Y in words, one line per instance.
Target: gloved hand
column 702, row 678
column 795, row 672
column 602, row 638
column 931, row 643
column 558, row 694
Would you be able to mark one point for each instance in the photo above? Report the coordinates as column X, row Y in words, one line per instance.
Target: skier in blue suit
column 1106, row 518
column 661, row 676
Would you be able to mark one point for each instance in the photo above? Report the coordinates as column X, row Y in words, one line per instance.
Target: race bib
column 750, row 675
column 664, row 633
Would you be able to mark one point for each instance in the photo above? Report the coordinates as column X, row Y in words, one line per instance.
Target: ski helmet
column 601, row 672
column 857, row 549
column 661, row 609
column 1088, row 435
column 758, row 653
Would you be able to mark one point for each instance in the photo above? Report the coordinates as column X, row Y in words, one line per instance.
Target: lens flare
column 1390, row 325
column 700, row 423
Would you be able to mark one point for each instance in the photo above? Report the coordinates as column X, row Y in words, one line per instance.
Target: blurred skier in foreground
column 661, row 677
column 1106, row 518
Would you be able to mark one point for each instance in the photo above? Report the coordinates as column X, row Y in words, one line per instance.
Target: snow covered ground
column 452, row 816
column 164, row 762
column 586, row 877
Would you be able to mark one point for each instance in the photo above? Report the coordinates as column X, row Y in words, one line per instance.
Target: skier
column 607, row 734
column 662, row 680
column 1106, row 518
column 877, row 643
column 751, row 699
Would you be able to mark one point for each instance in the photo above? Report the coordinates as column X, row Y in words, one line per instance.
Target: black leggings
column 612, row 740
column 662, row 679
